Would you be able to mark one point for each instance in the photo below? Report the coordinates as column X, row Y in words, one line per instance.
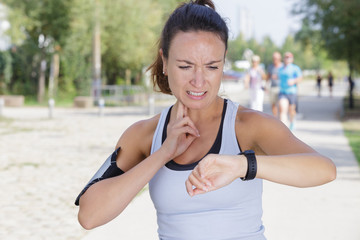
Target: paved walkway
column 331, row 211
column 45, row 162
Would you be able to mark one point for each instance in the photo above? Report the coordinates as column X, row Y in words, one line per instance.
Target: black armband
column 109, row 169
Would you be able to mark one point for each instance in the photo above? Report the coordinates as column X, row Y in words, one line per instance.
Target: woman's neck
column 206, row 114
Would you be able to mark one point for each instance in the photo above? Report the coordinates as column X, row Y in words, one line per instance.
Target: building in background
column 244, row 23
column 237, row 16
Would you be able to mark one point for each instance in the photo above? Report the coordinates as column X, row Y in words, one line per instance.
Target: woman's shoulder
column 139, row 135
column 252, row 124
column 149, row 123
column 245, row 115
column 253, row 120
column 143, row 127
column 254, row 129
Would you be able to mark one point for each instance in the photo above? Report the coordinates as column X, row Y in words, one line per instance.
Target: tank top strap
column 229, row 143
column 157, row 138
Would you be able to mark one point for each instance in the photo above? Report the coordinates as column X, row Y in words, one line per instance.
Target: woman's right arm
column 106, row 199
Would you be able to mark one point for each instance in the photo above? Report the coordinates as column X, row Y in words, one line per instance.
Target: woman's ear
column 163, row 61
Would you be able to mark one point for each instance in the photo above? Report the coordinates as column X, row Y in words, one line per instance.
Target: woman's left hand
column 215, row 171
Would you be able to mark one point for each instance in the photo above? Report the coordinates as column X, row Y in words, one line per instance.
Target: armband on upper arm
column 109, row 169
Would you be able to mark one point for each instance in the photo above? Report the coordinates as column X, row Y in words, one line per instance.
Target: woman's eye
column 184, row 67
column 213, row 67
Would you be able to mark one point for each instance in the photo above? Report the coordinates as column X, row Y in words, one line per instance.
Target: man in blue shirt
column 290, row 75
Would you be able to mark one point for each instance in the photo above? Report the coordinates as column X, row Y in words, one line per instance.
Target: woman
column 200, row 186
column 254, row 80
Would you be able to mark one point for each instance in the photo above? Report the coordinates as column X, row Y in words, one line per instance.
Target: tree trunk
column 54, row 74
column 351, row 92
column 41, row 83
column 351, row 87
column 128, row 77
column 138, row 78
column 96, row 57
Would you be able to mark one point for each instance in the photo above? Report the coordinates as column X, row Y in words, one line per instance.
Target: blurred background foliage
column 41, row 29
column 60, row 35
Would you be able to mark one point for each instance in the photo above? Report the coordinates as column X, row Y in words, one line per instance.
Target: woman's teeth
column 196, row 94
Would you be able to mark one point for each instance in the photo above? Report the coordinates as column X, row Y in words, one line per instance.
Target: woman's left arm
column 298, row 169
column 285, row 159
column 280, row 156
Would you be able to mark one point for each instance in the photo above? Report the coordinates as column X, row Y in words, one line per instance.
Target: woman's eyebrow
column 212, row 62
column 191, row 63
column 185, row 61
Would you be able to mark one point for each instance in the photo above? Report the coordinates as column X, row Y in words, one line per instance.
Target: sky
column 270, row 17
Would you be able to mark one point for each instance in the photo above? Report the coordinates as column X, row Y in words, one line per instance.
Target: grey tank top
column 232, row 212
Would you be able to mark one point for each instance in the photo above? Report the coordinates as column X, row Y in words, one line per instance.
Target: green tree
column 236, row 48
column 167, row 7
column 43, row 25
column 128, row 35
column 254, row 45
column 266, row 50
column 5, row 71
column 76, row 61
column 337, row 23
column 303, row 56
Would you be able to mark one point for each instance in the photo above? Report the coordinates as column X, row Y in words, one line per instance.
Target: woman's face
column 255, row 63
column 195, row 67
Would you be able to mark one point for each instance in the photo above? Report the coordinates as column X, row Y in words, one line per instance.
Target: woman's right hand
column 180, row 133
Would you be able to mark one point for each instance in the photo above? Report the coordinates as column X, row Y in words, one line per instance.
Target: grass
column 352, row 132
column 59, row 102
column 351, row 125
column 352, row 113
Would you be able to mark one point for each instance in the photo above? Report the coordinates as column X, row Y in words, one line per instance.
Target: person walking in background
column 318, row 83
column 254, row 81
column 290, row 75
column 204, row 157
column 273, row 77
column 330, row 78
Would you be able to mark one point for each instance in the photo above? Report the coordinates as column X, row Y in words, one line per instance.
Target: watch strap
column 252, row 165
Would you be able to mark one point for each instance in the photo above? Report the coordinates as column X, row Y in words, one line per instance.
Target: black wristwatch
column 252, row 165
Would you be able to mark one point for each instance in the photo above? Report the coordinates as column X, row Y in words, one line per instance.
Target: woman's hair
column 198, row 15
column 255, row 58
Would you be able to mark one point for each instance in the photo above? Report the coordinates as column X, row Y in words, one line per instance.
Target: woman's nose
column 198, row 80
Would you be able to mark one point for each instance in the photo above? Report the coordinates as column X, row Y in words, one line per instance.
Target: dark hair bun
column 208, row 3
